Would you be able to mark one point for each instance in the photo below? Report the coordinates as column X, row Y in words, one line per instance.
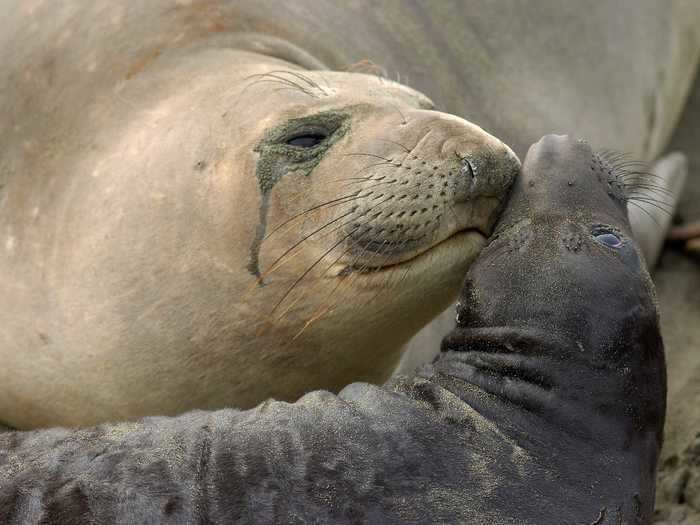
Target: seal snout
column 562, row 175
column 435, row 178
column 554, row 153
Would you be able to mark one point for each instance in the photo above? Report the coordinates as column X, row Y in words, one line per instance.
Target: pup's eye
column 307, row 141
column 608, row 239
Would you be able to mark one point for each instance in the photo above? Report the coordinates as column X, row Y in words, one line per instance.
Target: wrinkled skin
column 130, row 204
column 537, row 411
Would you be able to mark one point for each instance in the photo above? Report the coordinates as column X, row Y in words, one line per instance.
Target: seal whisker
column 263, row 275
column 646, row 212
column 650, row 193
column 651, row 187
column 396, row 144
column 290, row 306
column 277, row 90
column 387, row 164
column 424, row 137
column 331, row 203
column 624, row 163
column 635, row 177
column 369, row 67
column 380, row 183
column 653, row 203
column 292, row 87
column 404, row 121
column 388, row 285
column 449, row 206
column 640, row 174
column 355, row 180
column 300, row 76
column 610, row 155
column 277, row 263
column 325, row 80
column 646, row 180
column 382, row 289
column 311, row 267
column 647, row 197
column 367, row 155
column 328, row 305
column 306, row 237
column 311, row 320
column 263, row 78
column 379, row 206
column 289, row 83
column 273, row 75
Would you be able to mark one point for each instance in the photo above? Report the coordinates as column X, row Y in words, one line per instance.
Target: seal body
column 544, row 407
column 164, row 247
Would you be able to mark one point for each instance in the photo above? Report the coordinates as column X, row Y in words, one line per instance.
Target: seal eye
column 608, row 239
column 306, row 141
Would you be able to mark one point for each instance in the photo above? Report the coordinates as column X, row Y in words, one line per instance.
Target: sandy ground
column 678, row 286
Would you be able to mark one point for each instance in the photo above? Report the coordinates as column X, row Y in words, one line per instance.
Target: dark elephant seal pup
column 236, row 219
column 545, row 406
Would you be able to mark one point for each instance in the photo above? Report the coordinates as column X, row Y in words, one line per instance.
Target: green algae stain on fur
column 277, row 158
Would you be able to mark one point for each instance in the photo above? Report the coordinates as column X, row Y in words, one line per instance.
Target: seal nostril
column 468, row 169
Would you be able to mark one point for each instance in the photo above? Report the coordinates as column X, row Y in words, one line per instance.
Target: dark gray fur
column 533, row 413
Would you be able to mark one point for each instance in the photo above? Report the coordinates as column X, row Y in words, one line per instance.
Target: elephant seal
column 546, row 405
column 140, row 196
column 238, row 226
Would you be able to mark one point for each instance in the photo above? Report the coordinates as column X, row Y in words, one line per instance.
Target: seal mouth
column 450, row 242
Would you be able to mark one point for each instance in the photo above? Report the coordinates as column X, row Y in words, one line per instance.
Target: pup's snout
column 562, row 175
column 554, row 155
